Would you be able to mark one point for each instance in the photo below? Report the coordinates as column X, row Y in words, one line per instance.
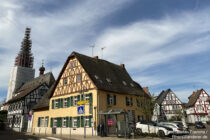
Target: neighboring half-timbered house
column 25, row 98
column 198, row 106
column 167, row 105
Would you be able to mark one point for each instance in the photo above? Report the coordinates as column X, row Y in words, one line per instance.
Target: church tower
column 23, row 69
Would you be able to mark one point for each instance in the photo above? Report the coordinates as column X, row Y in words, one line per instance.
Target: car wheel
column 161, row 133
column 139, row 131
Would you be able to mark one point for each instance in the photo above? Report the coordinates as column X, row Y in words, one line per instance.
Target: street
column 201, row 134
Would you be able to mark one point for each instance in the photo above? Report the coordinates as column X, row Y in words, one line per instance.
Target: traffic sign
column 80, row 110
column 82, row 102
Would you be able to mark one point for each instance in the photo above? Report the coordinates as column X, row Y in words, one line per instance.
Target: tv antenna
column 92, row 46
column 102, row 49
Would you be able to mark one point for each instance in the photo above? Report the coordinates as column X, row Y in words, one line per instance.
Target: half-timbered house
column 25, row 98
column 86, row 88
column 198, row 106
column 167, row 105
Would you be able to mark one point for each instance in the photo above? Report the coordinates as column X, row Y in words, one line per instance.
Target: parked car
column 184, row 125
column 178, row 129
column 199, row 124
column 153, row 127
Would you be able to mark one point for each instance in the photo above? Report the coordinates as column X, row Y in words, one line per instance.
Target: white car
column 152, row 127
column 177, row 128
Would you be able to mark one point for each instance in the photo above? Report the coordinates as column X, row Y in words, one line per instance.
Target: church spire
column 25, row 57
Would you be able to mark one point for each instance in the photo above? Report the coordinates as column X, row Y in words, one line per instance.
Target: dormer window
column 101, row 81
column 124, row 83
column 132, row 84
column 96, row 76
column 108, row 80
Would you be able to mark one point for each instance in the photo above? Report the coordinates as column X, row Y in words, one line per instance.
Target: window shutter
column 126, row 101
column 108, row 96
column 82, row 97
column 53, row 104
column 59, row 103
column 78, row 97
column 78, row 121
column 131, row 101
column 68, row 101
column 82, row 121
column 90, row 98
column 38, row 122
column 115, row 100
column 90, row 117
column 71, row 101
column 61, row 100
column 70, row 121
column 60, row 122
column 51, row 122
column 67, row 121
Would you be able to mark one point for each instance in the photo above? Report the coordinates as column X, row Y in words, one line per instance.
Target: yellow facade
column 73, row 88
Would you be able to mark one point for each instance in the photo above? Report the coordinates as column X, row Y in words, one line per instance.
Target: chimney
column 122, row 65
column 95, row 57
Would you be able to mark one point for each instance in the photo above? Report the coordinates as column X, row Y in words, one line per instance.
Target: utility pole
column 102, row 51
column 92, row 46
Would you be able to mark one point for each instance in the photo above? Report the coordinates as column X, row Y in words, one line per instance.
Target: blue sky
column 163, row 44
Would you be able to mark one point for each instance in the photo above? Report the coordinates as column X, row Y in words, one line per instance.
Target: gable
column 71, row 73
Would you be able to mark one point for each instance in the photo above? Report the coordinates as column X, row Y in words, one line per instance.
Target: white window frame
column 42, row 120
column 86, row 121
column 74, row 123
column 56, row 103
column 65, row 102
column 74, row 100
column 111, row 99
column 87, row 97
column 46, row 121
column 55, row 121
column 64, row 122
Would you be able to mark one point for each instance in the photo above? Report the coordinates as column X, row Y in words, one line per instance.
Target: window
column 64, row 122
column 87, row 96
column 111, row 99
column 124, row 83
column 64, row 81
column 108, row 80
column 79, row 78
column 96, row 76
column 56, row 103
column 132, row 84
column 75, row 122
column 129, row 101
column 88, row 121
column 65, row 102
column 55, row 121
column 41, row 122
column 46, row 121
column 75, row 101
